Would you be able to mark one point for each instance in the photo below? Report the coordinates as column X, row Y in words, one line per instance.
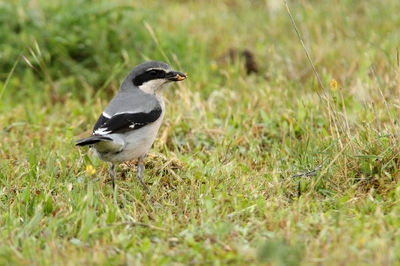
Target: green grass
column 221, row 171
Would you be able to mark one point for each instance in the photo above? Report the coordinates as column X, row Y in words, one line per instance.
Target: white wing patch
column 102, row 131
column 106, row 115
column 135, row 124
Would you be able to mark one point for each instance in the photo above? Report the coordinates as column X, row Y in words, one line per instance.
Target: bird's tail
column 91, row 140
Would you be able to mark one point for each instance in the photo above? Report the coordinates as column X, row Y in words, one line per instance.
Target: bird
column 128, row 126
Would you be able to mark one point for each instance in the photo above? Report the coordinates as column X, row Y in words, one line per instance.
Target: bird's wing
column 129, row 110
column 123, row 122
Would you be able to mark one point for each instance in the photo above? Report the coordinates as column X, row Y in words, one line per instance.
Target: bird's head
column 152, row 76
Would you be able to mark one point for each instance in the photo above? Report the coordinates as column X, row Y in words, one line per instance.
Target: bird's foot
column 140, row 173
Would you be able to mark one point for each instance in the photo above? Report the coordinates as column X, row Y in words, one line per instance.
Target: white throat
column 154, row 86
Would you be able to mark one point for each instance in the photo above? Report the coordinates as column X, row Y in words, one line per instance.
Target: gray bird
column 128, row 126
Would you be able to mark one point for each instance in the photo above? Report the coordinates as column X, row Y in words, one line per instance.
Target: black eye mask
column 148, row 75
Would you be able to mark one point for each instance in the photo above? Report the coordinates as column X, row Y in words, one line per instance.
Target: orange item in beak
column 179, row 77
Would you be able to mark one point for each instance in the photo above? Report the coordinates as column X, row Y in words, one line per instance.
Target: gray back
column 133, row 101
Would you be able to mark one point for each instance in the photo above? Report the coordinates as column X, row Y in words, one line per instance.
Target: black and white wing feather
column 124, row 122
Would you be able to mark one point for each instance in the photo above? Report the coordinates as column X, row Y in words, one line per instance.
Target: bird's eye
column 153, row 73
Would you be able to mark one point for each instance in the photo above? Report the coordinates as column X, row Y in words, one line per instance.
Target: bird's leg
column 111, row 171
column 140, row 172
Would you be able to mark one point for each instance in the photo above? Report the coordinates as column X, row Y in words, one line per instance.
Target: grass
column 222, row 173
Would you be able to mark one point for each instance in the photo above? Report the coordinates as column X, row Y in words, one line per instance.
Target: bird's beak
column 176, row 76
